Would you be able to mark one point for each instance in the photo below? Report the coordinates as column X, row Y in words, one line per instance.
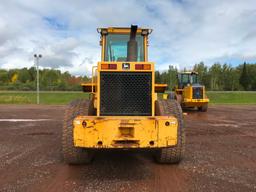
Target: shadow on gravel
column 121, row 165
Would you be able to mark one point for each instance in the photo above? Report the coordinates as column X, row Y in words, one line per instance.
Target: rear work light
column 108, row 66
column 142, row 66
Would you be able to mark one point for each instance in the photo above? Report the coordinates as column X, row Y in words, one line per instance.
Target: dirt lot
column 220, row 155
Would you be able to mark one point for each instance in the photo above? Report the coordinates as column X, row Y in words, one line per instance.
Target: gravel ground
column 220, row 155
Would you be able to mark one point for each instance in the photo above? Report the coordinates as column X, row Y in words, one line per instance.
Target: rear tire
column 203, row 108
column 179, row 98
column 171, row 96
column 172, row 154
column 72, row 154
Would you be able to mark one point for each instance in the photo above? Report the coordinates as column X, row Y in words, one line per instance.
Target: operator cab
column 117, row 45
column 123, row 49
column 124, row 44
column 187, row 78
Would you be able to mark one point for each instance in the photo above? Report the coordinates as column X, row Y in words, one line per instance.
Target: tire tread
column 176, row 153
column 72, row 154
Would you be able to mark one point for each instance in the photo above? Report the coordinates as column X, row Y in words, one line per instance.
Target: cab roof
column 124, row 30
column 189, row 72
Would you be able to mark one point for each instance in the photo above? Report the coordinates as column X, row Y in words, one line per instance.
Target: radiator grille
column 197, row 92
column 125, row 93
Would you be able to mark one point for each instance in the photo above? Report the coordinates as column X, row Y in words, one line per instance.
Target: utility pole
column 37, row 57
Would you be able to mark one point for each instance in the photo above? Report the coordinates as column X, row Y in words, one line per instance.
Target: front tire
column 171, row 96
column 72, row 154
column 172, row 154
column 203, row 108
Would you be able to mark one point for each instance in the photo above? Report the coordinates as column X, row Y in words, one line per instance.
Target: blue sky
column 58, row 24
column 185, row 31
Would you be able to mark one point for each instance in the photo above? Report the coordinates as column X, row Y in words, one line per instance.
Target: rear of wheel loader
column 123, row 112
column 189, row 93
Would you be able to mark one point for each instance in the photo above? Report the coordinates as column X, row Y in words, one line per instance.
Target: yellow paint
column 124, row 131
column 119, row 66
column 188, row 101
column 120, row 30
column 159, row 88
column 165, row 96
column 189, row 72
column 146, row 48
column 128, row 132
column 14, row 78
column 187, row 94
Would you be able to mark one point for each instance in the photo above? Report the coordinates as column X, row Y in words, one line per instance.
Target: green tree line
column 218, row 77
column 50, row 80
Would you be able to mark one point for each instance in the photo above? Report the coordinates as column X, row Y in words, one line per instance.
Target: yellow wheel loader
column 123, row 111
column 189, row 93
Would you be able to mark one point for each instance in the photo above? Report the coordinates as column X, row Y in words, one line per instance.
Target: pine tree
column 244, row 78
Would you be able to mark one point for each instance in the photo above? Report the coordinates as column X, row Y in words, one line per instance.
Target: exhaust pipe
column 132, row 45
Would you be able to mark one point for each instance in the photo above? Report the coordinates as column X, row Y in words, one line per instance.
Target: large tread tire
column 179, row 98
column 172, row 154
column 72, row 154
column 171, row 96
column 203, row 108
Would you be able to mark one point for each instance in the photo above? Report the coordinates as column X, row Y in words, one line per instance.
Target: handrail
column 94, row 67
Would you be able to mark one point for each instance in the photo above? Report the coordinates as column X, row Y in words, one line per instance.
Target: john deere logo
column 126, row 66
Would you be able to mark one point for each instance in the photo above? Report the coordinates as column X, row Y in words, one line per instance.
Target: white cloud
column 185, row 32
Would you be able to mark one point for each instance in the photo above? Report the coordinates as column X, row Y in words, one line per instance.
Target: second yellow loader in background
column 189, row 93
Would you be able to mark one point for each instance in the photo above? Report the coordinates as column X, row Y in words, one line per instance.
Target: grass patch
column 239, row 97
column 15, row 99
column 60, row 98
column 46, row 97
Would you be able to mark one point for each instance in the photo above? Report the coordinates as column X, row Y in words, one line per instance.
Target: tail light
column 108, row 66
column 142, row 66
